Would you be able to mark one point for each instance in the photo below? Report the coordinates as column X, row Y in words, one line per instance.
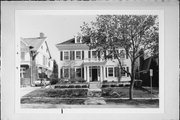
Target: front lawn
column 123, row 92
column 58, row 93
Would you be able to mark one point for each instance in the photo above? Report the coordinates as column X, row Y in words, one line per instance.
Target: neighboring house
column 78, row 61
column 35, row 54
column 145, row 66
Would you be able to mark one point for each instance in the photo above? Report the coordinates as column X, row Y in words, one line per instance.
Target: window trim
column 64, row 55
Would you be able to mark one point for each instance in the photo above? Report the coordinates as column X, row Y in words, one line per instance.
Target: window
column 94, row 54
column 78, row 55
column 22, row 55
column 66, row 72
column 78, row 72
column 110, row 71
column 78, row 39
column 22, row 72
column 122, row 54
column 66, row 55
column 123, row 72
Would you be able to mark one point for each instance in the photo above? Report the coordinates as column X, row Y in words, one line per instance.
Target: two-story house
column 35, row 59
column 77, row 60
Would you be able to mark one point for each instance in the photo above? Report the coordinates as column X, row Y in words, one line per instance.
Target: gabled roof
column 34, row 42
column 70, row 41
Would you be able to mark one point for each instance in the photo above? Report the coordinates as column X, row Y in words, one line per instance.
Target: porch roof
column 95, row 63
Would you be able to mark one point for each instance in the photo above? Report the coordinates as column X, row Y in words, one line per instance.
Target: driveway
column 26, row 90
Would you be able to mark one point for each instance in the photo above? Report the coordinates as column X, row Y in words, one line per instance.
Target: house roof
column 70, row 41
column 147, row 63
column 35, row 42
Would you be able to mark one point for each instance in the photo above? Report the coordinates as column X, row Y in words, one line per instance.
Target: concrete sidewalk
column 26, row 90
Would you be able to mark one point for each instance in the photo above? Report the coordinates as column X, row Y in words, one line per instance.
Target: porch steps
column 94, row 89
column 95, row 85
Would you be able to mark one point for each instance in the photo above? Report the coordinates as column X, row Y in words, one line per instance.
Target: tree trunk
column 132, row 82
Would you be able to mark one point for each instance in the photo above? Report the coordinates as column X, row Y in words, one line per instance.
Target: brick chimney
column 41, row 35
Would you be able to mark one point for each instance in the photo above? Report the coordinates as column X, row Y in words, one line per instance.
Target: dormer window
column 78, row 39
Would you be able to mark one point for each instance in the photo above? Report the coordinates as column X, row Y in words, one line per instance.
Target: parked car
column 41, row 82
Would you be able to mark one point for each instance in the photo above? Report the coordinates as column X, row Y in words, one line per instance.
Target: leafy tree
column 55, row 70
column 133, row 33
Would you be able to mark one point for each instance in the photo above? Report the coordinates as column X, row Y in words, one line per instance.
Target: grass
column 52, row 101
column 78, row 96
column 139, row 102
column 123, row 92
column 58, row 93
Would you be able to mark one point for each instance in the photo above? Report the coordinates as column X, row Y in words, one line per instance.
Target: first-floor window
column 22, row 72
column 66, row 72
column 110, row 71
column 78, row 72
column 122, row 71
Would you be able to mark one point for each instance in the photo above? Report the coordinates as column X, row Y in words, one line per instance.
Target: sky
column 57, row 28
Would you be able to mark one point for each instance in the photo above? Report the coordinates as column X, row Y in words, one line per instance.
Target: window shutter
column 82, row 55
column 61, row 55
column 106, row 71
column 82, row 72
column 105, row 54
column 71, row 55
column 99, row 55
column 89, row 54
column 61, row 73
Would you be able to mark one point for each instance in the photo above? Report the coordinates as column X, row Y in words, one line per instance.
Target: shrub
column 84, row 86
column 54, row 81
column 137, row 83
column 77, row 86
column 67, row 93
column 113, row 85
column 104, row 81
column 71, row 86
column 104, row 86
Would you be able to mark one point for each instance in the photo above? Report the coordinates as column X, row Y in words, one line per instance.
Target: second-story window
column 22, row 55
column 66, row 55
column 94, row 54
column 78, row 39
column 122, row 53
column 78, row 55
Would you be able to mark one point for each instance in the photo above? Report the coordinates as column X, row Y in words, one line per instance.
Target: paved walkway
column 26, row 90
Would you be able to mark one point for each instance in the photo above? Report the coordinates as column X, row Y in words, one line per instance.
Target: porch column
column 104, row 72
column 85, row 78
column 87, row 73
column 101, row 73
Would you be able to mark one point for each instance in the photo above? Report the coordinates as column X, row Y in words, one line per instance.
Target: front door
column 94, row 75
